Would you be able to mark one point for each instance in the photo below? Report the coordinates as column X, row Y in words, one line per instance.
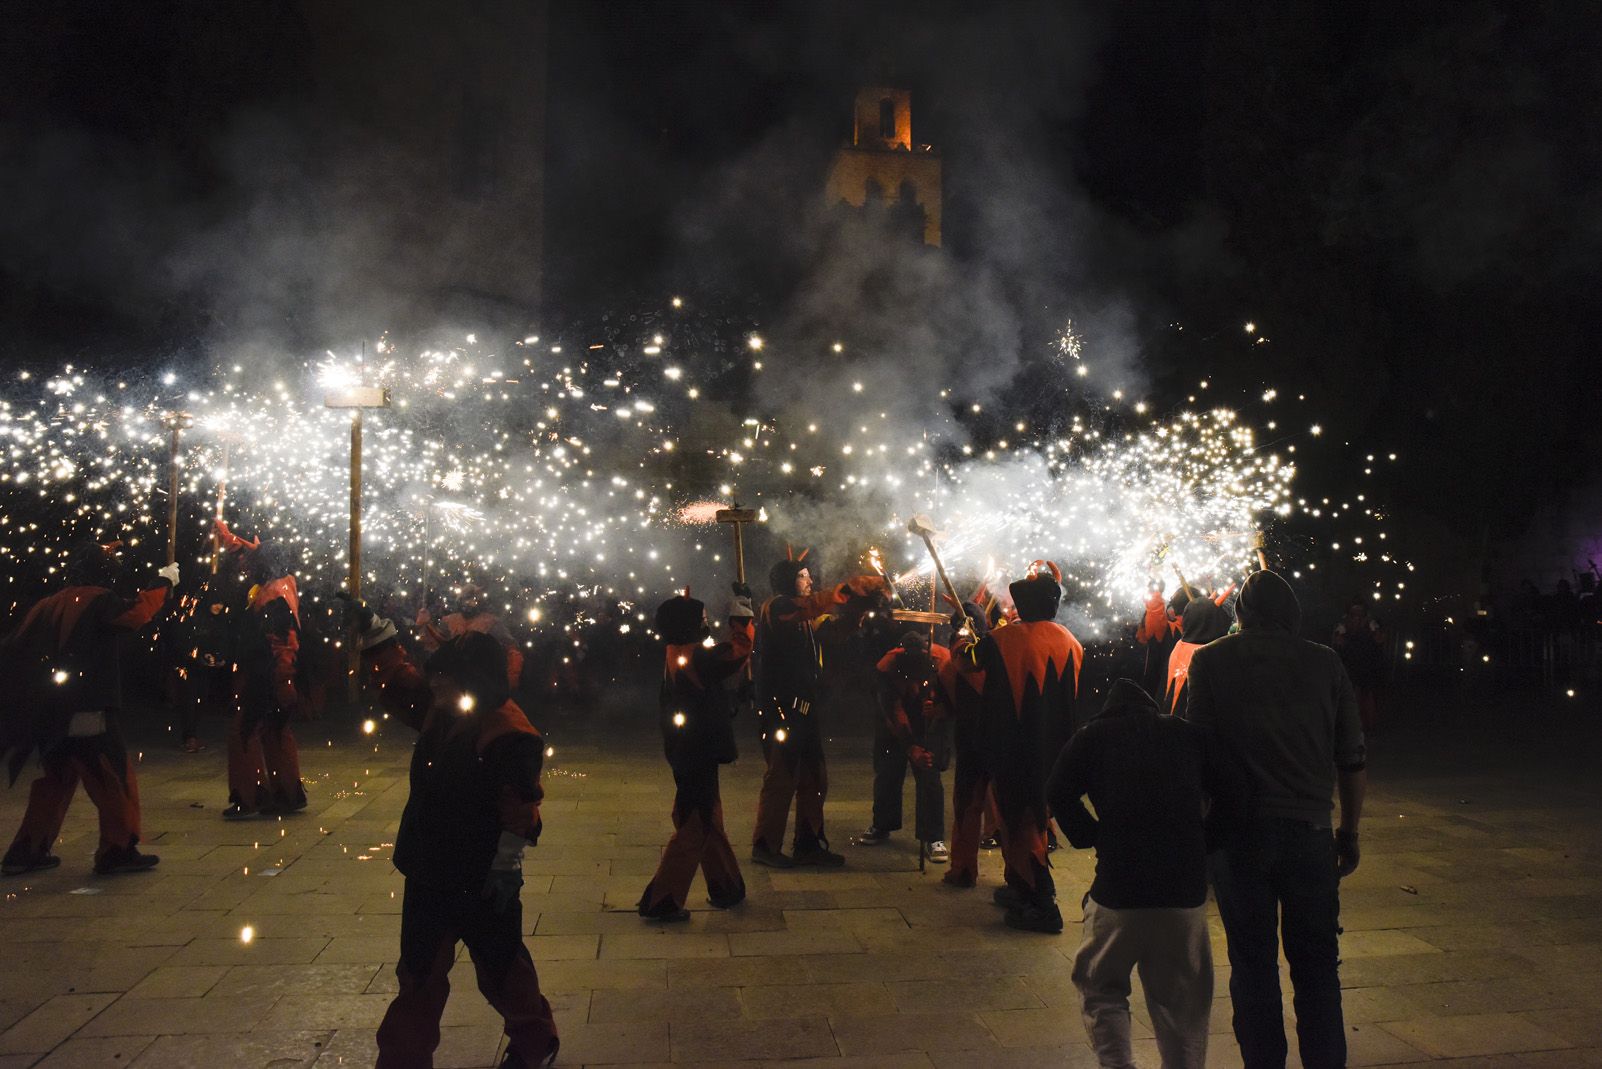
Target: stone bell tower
column 882, row 169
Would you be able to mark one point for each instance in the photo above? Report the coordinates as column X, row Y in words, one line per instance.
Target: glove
column 169, row 573
column 505, row 877
column 742, row 590
column 740, row 608
column 1346, row 853
column 864, row 586
column 356, row 613
column 920, row 757
column 501, row 888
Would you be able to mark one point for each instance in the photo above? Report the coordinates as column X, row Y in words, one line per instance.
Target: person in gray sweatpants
column 1151, row 778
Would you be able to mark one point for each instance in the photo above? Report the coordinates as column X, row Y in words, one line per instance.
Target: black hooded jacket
column 1282, row 705
column 1151, row 778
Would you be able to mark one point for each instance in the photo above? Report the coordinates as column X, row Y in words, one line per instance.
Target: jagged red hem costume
column 65, row 654
column 1031, row 680
column 475, row 776
column 698, row 736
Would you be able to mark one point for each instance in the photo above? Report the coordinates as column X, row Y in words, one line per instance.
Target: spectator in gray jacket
column 1286, row 709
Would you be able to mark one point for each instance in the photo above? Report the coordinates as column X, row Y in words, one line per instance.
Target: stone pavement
column 1473, row 928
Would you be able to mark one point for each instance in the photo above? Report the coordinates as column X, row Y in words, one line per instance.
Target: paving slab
column 1473, row 936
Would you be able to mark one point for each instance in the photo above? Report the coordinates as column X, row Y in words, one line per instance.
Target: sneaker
column 772, row 858
column 1045, row 919
column 674, row 915
column 872, row 837
column 515, row 1060
column 16, row 866
column 938, row 852
column 726, row 901
column 817, row 854
column 237, row 811
column 990, row 842
column 125, row 860
column 1005, row 897
column 958, row 879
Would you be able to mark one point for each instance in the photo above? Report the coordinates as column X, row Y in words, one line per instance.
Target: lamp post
column 357, row 399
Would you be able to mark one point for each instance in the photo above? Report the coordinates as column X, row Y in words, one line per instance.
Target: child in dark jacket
column 697, row 737
column 1161, row 788
column 474, row 806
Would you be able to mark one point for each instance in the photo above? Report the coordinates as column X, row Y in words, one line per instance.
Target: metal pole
column 353, row 660
column 222, row 496
column 172, row 491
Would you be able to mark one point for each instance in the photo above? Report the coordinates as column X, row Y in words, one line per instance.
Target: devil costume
column 910, row 733
column 263, row 759
column 962, row 685
column 1031, row 681
column 788, row 687
column 697, row 736
column 1204, row 622
column 63, row 700
column 474, row 806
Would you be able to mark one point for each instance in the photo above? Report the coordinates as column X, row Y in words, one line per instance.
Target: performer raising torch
column 698, row 736
column 63, row 695
column 1031, row 671
column 789, row 684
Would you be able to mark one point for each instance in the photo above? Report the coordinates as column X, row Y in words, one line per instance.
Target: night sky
column 1402, row 197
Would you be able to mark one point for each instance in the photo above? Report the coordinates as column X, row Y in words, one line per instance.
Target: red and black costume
column 1204, row 621
column 474, row 805
column 789, row 680
column 1158, row 633
column 263, row 760
column 910, row 732
column 64, row 696
column 1031, row 681
column 697, row 736
column 470, row 617
column 962, row 685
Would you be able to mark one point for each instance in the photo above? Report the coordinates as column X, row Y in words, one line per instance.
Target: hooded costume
column 1158, row 632
column 789, row 677
column 1031, row 681
column 474, row 806
column 962, row 685
column 1204, row 622
column 63, row 697
column 470, row 616
column 263, row 759
column 696, row 718
column 910, row 733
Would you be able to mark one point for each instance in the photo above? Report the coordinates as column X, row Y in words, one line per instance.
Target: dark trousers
column 1280, row 879
column 890, row 766
column 795, row 773
column 202, row 688
column 1023, row 838
column 698, row 841
column 101, row 763
column 432, row 922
